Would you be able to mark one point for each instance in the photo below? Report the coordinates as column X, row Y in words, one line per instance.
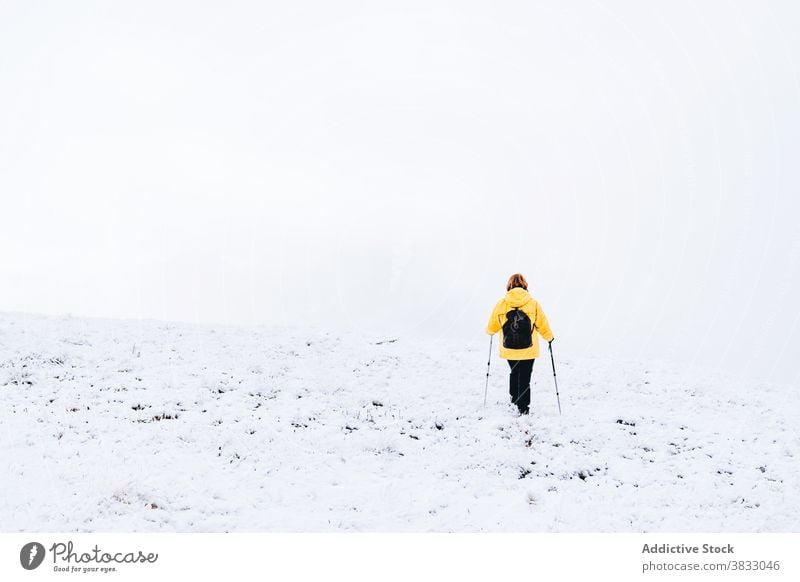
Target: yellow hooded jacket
column 519, row 297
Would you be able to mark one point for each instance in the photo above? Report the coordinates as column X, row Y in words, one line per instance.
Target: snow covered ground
column 111, row 425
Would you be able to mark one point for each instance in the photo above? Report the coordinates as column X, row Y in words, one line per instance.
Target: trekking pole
column 555, row 380
column 488, row 364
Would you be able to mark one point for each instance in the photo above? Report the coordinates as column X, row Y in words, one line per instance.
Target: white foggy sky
column 365, row 164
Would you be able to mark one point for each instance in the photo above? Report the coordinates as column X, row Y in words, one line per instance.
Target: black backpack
column 517, row 330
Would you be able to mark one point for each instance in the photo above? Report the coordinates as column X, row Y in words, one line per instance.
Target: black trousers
column 519, row 383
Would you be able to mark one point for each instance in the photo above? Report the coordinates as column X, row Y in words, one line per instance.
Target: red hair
column 516, row 280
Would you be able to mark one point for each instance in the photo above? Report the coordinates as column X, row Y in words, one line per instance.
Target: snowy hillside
column 146, row 426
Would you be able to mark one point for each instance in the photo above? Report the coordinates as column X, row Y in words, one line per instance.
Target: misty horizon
column 387, row 169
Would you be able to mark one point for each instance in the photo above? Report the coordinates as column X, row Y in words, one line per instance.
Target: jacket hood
column 517, row 297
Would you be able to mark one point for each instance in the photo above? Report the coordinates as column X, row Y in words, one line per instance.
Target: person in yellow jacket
column 520, row 320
